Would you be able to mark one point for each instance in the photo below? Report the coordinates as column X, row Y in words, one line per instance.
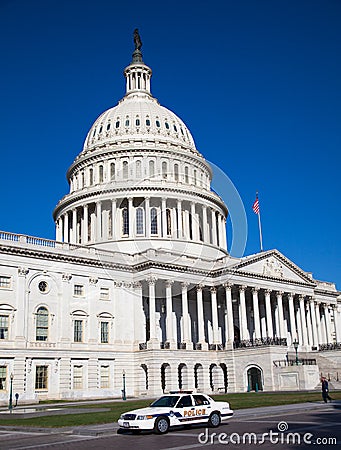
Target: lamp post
column 10, row 403
column 295, row 343
column 124, row 397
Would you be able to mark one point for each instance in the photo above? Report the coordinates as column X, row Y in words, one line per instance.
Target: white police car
column 176, row 408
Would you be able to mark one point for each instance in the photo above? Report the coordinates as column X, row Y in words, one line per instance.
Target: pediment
column 273, row 264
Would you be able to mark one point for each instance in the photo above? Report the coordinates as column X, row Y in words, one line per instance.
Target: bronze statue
column 137, row 40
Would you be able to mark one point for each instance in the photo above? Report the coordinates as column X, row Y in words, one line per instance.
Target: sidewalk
column 111, row 428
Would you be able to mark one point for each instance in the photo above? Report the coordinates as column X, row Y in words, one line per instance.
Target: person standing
column 325, row 390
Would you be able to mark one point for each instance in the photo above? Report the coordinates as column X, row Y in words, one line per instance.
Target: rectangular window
column 104, row 293
column 78, row 290
column 5, row 282
column 41, row 377
column 78, row 331
column 104, row 332
column 78, row 377
column 104, row 381
column 3, row 327
column 3, row 373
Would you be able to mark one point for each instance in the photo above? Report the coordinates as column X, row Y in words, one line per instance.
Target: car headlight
column 143, row 417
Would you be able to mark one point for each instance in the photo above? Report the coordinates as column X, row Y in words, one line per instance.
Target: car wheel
column 161, row 425
column 214, row 420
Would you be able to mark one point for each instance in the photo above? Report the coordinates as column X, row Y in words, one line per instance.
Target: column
column 229, row 313
column 180, row 230
column 222, row 231
column 204, row 224
column 337, row 324
column 147, row 205
column 194, row 223
column 268, row 314
column 327, row 321
column 98, row 220
column 310, row 330
column 169, row 311
column 152, row 317
column 66, row 227
column 85, row 237
column 313, row 321
column 318, row 322
column 293, row 328
column 113, row 219
column 244, row 335
column 74, row 226
column 59, row 233
column 200, row 316
column 256, row 312
column 224, row 234
column 299, row 325
column 281, row 332
column 214, row 315
column 131, row 217
column 303, row 321
column 186, row 329
column 214, row 227
column 164, row 217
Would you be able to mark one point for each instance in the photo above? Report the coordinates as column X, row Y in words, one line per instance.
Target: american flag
column 255, row 206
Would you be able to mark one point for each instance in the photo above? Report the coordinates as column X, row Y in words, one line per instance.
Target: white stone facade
column 139, row 284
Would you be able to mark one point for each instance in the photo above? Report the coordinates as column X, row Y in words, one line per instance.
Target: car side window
column 200, row 400
column 184, row 402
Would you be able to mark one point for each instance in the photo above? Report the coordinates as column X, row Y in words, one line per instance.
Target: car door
column 202, row 407
column 184, row 410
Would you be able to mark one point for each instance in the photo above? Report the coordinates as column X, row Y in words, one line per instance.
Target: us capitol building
column 138, row 291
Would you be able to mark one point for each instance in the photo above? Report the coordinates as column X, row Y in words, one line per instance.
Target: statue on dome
column 137, row 40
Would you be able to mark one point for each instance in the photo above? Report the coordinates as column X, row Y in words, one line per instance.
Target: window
column 3, row 374
column 101, row 177
column 100, row 129
column 77, row 377
column 194, row 176
column 104, row 374
column 43, row 287
column 184, row 402
column 78, row 331
column 78, row 290
column 108, row 126
column 125, row 170
column 117, row 124
column 167, row 125
column 186, row 174
column 91, row 173
column 125, row 221
column 5, row 282
column 3, row 327
column 42, row 324
column 137, row 122
column 83, row 179
column 176, row 172
column 151, row 168
column 153, row 221
column 127, row 123
column 138, row 169
column 147, row 122
column 104, row 293
column 104, row 332
column 164, row 169
column 139, row 221
column 200, row 400
column 41, row 377
column 157, row 123
column 169, row 222
column 175, row 129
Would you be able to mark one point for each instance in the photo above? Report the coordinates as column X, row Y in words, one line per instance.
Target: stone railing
column 165, row 345
column 216, row 347
column 259, row 342
column 143, row 346
column 334, row 346
column 292, row 362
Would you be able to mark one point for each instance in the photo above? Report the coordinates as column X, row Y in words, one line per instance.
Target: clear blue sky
column 256, row 81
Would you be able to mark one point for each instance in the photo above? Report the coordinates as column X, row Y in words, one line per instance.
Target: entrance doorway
column 254, row 379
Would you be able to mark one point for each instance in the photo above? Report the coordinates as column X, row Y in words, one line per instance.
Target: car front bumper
column 136, row 424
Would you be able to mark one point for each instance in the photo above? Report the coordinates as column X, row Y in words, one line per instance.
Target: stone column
column 337, row 324
column 327, row 321
column 74, row 226
column 66, row 228
column 281, row 331
column 147, row 205
column 224, row 234
column 200, row 314
column 194, row 222
column 164, row 217
column 214, row 307
column 204, row 224
column 256, row 312
column 22, row 305
column 268, row 314
column 169, row 311
column 313, row 321
column 293, row 328
column 85, row 236
column 113, row 219
column 99, row 220
column 318, row 322
column 303, row 321
column 59, row 232
column 180, row 230
column 185, row 316
column 131, row 217
column 214, row 227
column 299, row 325
column 229, row 313
column 243, row 319
column 309, row 327
column 152, row 310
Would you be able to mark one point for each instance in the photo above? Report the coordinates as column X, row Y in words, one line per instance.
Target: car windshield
column 166, row 401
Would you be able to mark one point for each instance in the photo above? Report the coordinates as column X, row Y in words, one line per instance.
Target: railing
column 143, row 346
column 181, row 345
column 334, row 346
column 292, row 362
column 197, row 346
column 165, row 345
column 216, row 347
column 259, row 342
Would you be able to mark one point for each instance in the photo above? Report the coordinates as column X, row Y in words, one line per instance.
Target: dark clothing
column 325, row 390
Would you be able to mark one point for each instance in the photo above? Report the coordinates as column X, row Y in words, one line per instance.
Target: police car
column 176, row 408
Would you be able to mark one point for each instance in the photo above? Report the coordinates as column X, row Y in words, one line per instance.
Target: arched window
column 138, row 169
column 91, row 177
column 164, row 169
column 126, row 122
column 151, row 168
column 101, row 177
column 117, row 125
column 125, row 222
column 112, row 171
column 148, row 122
column 186, row 174
column 137, row 122
column 83, row 179
column 194, row 176
column 167, row 125
column 125, row 170
column 176, row 172
column 42, row 324
column 157, row 122
column 139, row 221
column 153, row 221
column 169, row 222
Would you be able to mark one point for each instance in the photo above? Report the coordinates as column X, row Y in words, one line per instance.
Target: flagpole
column 260, row 232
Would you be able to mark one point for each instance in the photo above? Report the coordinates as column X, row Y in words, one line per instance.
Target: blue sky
column 256, row 81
